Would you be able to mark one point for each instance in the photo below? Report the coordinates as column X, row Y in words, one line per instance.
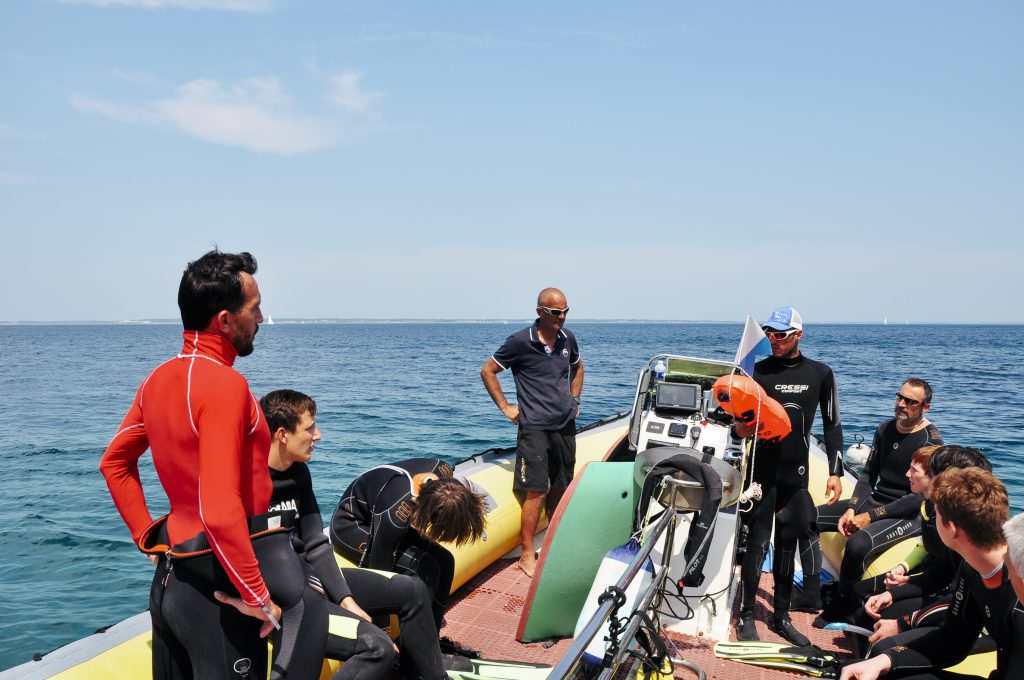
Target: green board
column 595, row 515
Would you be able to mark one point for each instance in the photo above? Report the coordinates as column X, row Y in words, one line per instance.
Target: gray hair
column 1013, row 530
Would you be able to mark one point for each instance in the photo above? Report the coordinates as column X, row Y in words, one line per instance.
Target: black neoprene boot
column 840, row 608
column 784, row 627
column 809, row 599
column 745, row 628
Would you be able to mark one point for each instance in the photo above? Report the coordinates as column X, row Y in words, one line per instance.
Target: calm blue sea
column 385, row 392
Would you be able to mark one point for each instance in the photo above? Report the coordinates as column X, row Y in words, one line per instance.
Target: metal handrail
column 665, row 525
column 579, row 645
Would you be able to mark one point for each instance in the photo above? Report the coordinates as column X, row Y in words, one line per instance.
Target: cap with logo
column 784, row 318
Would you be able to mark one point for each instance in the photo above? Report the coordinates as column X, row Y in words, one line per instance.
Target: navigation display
column 678, row 396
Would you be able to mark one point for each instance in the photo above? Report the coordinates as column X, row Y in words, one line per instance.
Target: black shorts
column 545, row 458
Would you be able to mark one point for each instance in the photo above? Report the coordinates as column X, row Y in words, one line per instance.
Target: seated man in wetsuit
column 917, row 592
column 392, row 517
column 971, row 506
column 339, row 602
column 882, row 510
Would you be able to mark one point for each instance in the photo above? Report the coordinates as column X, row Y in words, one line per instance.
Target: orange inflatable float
column 746, row 401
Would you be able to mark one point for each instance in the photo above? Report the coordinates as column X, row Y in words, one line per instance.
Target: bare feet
column 527, row 564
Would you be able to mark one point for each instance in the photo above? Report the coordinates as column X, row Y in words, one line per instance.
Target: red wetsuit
column 210, row 444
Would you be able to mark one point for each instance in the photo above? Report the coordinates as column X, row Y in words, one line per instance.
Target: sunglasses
column 556, row 312
column 907, row 400
column 778, row 335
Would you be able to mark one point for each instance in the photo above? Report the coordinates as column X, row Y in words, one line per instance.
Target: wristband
column 577, row 400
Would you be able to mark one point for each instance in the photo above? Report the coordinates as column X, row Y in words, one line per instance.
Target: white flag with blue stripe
column 753, row 344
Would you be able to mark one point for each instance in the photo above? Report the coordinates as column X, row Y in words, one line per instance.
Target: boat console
column 675, row 413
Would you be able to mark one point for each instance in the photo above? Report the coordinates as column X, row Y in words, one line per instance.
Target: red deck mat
column 484, row 613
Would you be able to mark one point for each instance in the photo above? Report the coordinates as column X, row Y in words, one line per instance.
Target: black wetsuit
column 365, row 648
column 920, row 652
column 884, row 493
column 801, row 385
column 924, row 599
column 371, row 526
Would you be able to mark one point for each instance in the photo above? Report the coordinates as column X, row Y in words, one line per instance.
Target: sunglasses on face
column 556, row 312
column 778, row 335
column 907, row 400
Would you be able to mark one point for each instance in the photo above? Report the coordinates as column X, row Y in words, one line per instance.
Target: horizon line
column 298, row 321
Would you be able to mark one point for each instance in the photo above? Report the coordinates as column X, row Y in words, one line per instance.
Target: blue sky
column 447, row 160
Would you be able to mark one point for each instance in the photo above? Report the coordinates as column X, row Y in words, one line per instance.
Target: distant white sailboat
column 885, row 321
column 269, row 321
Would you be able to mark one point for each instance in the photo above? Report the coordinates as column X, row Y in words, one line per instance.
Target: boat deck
column 485, row 612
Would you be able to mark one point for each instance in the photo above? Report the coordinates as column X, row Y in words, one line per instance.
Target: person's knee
column 411, row 591
column 787, row 533
column 857, row 547
column 376, row 646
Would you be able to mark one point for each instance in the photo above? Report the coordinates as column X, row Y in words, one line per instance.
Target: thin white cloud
column 252, row 6
column 348, row 94
column 254, row 114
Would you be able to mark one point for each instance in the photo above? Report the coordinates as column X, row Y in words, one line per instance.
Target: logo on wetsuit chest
column 242, row 666
column 289, row 504
column 792, row 389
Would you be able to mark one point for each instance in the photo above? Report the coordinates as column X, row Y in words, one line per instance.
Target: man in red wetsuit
column 210, row 444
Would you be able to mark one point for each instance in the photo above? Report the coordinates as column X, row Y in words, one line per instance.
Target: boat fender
column 857, row 455
column 613, row 566
column 746, row 401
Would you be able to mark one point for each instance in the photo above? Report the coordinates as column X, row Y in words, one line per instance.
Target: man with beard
column 801, row 385
column 209, row 442
column 882, row 510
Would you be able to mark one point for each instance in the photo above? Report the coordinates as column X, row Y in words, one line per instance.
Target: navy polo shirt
column 542, row 378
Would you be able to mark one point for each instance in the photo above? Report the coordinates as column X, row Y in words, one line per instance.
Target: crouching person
column 393, row 517
column 339, row 603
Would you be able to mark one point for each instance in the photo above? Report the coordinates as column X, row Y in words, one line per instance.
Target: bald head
column 551, row 297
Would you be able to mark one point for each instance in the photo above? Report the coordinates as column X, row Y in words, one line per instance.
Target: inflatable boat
column 505, row 615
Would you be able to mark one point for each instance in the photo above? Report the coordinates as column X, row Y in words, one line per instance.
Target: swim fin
column 830, row 672
column 462, row 668
column 774, row 651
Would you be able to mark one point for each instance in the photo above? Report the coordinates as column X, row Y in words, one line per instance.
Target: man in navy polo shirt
column 546, row 366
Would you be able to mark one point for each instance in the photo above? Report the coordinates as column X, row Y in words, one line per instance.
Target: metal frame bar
column 666, row 525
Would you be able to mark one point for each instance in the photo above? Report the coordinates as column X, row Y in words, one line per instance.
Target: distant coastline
column 338, row 321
